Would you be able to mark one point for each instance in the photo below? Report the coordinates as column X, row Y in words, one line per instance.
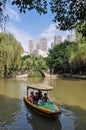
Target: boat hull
column 41, row 110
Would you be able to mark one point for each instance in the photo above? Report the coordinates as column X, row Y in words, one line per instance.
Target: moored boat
column 48, row 109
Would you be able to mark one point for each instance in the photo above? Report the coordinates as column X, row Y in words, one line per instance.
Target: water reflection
column 41, row 123
column 36, row 80
column 31, row 80
column 9, row 109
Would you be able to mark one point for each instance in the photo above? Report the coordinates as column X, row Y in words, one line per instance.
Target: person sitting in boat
column 40, row 100
column 40, row 94
column 36, row 98
column 31, row 97
column 45, row 98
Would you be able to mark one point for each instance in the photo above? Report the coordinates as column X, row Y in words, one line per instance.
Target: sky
column 32, row 25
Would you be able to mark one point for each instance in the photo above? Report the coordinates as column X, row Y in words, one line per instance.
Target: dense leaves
column 10, row 52
column 81, row 28
column 58, row 58
column 31, row 62
column 3, row 14
column 69, row 57
column 67, row 13
column 39, row 5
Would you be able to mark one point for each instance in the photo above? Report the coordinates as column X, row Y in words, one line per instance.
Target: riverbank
column 66, row 75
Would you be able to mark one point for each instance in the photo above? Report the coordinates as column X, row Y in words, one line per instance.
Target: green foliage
column 31, row 62
column 81, row 28
column 79, row 56
column 10, row 52
column 58, row 58
column 35, row 74
column 3, row 14
column 39, row 5
column 68, row 13
column 68, row 57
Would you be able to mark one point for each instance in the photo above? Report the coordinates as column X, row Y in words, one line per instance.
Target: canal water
column 70, row 94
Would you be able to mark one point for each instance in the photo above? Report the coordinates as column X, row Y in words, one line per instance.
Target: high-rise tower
column 57, row 39
column 43, row 43
column 32, row 46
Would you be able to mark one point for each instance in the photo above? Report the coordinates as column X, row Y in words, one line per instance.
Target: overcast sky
column 32, row 26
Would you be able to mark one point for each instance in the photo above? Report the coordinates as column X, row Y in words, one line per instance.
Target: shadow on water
column 36, row 80
column 9, row 109
column 39, row 122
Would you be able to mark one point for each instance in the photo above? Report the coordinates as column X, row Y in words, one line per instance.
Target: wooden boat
column 48, row 109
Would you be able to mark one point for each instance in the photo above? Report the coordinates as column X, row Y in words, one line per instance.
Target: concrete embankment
column 22, row 76
column 71, row 76
column 47, row 75
column 65, row 75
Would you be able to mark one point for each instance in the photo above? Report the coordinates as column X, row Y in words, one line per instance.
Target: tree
column 10, row 53
column 41, row 63
column 3, row 14
column 58, row 57
column 81, row 28
column 39, row 5
column 68, row 57
column 31, row 62
column 77, row 56
column 68, row 13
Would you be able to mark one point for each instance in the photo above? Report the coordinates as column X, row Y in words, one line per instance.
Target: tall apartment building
column 43, row 43
column 71, row 37
column 37, row 45
column 57, row 39
column 32, row 46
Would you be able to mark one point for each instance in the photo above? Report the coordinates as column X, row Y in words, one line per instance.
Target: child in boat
column 31, row 97
column 45, row 98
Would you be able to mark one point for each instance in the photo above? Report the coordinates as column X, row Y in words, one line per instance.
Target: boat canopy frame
column 40, row 87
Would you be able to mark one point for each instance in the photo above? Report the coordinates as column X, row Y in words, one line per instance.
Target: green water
column 70, row 94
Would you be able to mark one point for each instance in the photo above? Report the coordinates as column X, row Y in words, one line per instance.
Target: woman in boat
column 45, row 98
column 31, row 97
